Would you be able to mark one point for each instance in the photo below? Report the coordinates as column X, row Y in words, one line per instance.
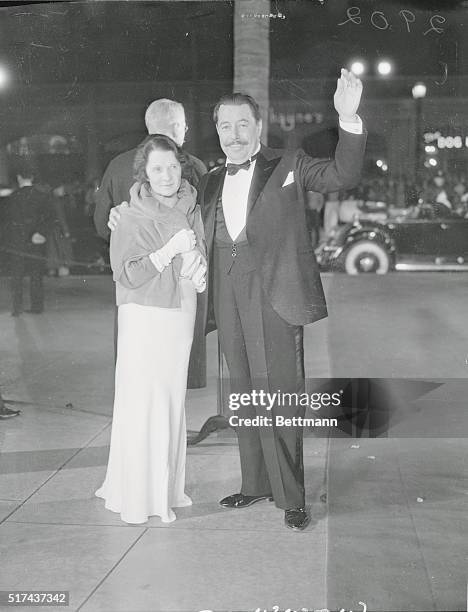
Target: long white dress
column 146, row 469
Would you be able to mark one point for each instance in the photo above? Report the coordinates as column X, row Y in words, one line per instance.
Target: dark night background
column 142, row 41
column 88, row 69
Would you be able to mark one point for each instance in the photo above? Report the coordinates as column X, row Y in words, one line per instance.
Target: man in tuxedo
column 264, row 284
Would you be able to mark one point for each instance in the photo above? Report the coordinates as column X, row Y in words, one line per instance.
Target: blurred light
column 358, row 68
column 384, row 167
column 384, row 67
column 4, row 76
column 379, row 163
column 419, row 91
column 430, row 149
column 432, row 162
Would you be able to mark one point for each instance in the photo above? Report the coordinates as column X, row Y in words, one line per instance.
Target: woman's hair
column 156, row 142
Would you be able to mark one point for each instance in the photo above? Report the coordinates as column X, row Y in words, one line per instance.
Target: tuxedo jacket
column 276, row 223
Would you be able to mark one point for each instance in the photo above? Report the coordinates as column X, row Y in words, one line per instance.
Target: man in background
column 28, row 223
column 162, row 117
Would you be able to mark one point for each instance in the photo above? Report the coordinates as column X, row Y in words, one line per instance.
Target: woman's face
column 164, row 172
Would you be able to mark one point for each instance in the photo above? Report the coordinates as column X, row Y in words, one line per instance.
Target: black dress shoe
column 6, row 413
column 238, row 500
column 296, row 518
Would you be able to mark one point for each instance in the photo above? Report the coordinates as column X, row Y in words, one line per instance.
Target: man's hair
column 161, row 115
column 157, row 142
column 238, row 98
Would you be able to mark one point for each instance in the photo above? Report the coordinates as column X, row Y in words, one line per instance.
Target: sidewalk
column 373, row 542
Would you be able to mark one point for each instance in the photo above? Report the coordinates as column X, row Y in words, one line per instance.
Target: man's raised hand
column 347, row 96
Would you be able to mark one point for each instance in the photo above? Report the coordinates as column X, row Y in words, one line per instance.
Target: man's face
column 180, row 127
column 238, row 131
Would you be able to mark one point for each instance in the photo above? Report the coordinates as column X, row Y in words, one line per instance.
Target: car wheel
column 366, row 257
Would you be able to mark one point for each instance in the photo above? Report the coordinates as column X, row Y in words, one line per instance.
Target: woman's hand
column 181, row 242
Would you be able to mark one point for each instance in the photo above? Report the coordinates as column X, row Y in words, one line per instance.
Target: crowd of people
column 383, row 196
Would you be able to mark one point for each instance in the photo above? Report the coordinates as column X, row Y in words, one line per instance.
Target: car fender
column 373, row 233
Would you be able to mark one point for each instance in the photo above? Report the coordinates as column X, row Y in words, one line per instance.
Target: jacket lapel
column 267, row 161
column 211, row 193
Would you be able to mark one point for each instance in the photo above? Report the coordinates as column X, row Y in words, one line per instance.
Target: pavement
column 390, row 534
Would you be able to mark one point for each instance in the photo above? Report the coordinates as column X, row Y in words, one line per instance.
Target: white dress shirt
column 236, row 189
column 235, row 198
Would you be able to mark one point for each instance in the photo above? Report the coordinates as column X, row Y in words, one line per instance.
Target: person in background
column 314, row 205
column 59, row 249
column 162, row 116
column 436, row 194
column 28, row 222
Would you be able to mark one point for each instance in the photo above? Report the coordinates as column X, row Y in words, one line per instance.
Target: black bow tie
column 234, row 168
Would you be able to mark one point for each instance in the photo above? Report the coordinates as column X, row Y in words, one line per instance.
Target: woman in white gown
column 158, row 260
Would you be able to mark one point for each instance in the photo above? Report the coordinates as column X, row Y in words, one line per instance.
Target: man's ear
column 259, row 127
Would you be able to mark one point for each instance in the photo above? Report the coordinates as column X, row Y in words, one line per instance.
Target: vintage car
column 425, row 237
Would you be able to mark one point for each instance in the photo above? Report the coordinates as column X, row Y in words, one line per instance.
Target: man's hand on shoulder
column 348, row 96
column 114, row 216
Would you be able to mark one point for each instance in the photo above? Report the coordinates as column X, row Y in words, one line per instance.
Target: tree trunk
column 252, row 53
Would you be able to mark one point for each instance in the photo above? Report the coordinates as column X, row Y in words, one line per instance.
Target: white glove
column 181, row 242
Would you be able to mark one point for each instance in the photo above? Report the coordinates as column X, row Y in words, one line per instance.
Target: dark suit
column 28, row 213
column 262, row 291
column 114, row 189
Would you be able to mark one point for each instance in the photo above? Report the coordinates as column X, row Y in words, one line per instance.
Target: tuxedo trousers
column 265, row 354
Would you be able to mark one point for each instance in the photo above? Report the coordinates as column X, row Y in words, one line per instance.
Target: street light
column 419, row 90
column 4, row 77
column 358, row 67
column 384, row 67
column 419, row 93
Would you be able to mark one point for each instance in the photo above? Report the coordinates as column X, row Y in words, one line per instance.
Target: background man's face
column 238, row 131
column 179, row 127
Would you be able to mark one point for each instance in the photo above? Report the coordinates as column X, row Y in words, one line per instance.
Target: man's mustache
column 237, row 142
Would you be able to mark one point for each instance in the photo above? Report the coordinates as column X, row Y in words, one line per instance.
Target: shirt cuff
column 352, row 127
